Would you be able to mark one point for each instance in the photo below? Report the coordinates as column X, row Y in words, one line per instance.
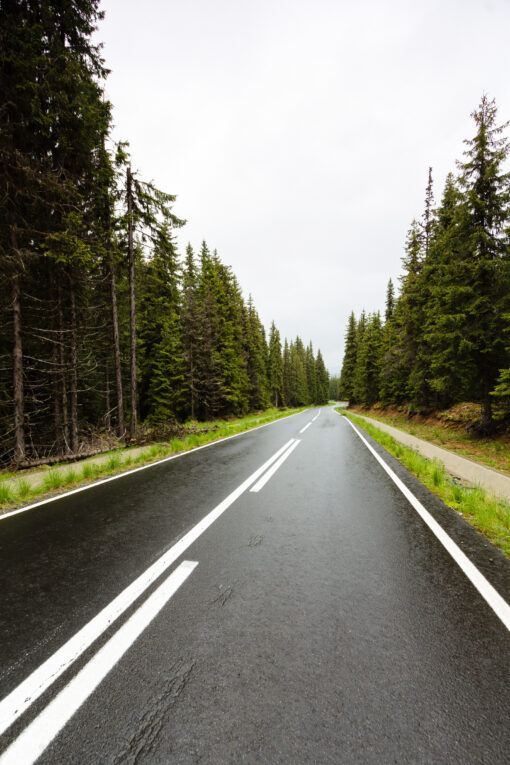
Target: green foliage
column 333, row 388
column 162, row 380
column 349, row 363
column 275, row 372
column 445, row 337
column 93, row 350
column 367, row 372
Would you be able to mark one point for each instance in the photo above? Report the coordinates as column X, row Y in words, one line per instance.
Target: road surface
column 271, row 598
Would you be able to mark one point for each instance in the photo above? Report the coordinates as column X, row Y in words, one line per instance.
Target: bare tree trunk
column 107, row 419
column 57, row 413
column 74, row 371
column 132, row 307
column 192, row 380
column 19, row 401
column 116, row 351
column 63, row 382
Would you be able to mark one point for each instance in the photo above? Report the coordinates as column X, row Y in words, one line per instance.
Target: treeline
column 445, row 337
column 102, row 321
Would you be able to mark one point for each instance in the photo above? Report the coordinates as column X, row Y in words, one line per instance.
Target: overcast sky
column 298, row 134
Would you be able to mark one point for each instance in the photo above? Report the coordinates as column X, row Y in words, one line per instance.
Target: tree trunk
column 19, row 401
column 116, row 351
column 63, row 382
column 74, row 371
column 192, row 386
column 107, row 419
column 132, row 307
column 57, row 413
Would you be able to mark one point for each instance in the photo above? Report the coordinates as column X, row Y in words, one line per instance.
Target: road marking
column 34, row 739
column 13, row 705
column 143, row 467
column 306, row 426
column 265, row 478
column 484, row 587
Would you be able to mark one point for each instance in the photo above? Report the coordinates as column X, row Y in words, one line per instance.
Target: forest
column 445, row 337
column 106, row 327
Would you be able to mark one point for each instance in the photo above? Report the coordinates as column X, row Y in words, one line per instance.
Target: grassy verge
column 488, row 514
column 493, row 452
column 41, row 484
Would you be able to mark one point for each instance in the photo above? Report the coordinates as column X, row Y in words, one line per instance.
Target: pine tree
column 486, row 189
column 411, row 318
column 51, row 120
column 288, row 388
column 452, row 375
column 162, row 378
column 312, row 376
column 390, row 301
column 148, row 213
column 322, row 395
column 428, row 215
column 302, row 392
column 207, row 367
column 275, row 367
column 349, row 361
column 368, row 363
column 190, row 322
column 234, row 375
column 256, row 349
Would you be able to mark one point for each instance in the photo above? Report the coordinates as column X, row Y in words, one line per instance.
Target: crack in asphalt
column 149, row 728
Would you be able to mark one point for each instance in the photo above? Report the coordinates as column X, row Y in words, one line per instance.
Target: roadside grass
column 493, row 452
column 487, row 513
column 14, row 493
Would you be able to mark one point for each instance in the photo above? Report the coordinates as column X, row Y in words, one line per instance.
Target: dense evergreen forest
column 104, row 324
column 445, row 338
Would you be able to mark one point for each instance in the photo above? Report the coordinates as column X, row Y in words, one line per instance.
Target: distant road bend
column 289, row 595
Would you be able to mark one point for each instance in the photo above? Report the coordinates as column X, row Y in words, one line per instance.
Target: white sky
column 298, row 134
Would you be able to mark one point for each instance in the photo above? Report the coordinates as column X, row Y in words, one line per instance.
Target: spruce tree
column 312, row 376
column 288, row 389
column 234, row 374
column 349, row 361
column 322, row 395
column 428, row 215
column 302, row 391
column 390, row 301
column 367, row 372
column 275, row 367
column 190, row 323
column 486, row 189
column 452, row 373
column 162, row 379
column 256, row 349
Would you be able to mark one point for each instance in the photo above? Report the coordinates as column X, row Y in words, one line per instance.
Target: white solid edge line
column 484, row 587
column 19, row 699
column 143, row 467
column 34, row 739
column 306, row 426
column 265, row 478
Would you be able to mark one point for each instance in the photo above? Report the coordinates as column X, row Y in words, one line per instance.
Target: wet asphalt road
column 324, row 623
